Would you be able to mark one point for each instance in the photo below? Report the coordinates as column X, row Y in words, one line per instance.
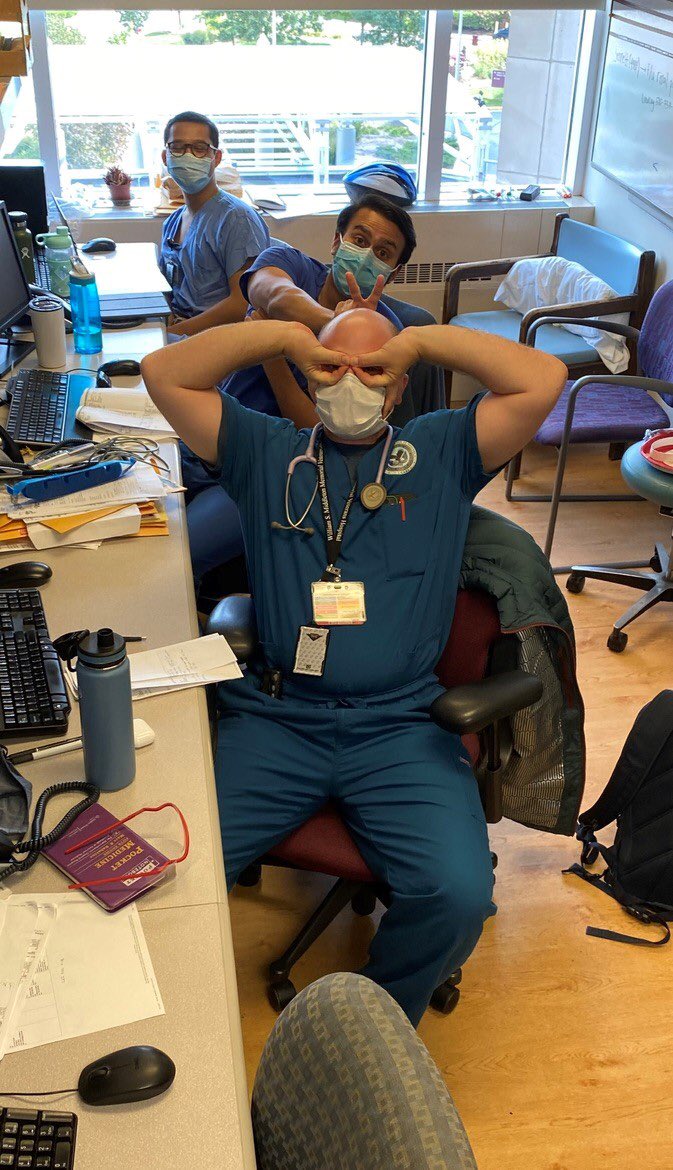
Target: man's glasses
column 197, row 149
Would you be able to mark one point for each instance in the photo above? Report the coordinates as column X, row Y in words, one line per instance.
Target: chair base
column 657, row 585
column 363, row 898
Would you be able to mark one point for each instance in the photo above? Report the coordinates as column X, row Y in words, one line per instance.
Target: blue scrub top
column 252, row 387
column 224, row 234
column 409, row 567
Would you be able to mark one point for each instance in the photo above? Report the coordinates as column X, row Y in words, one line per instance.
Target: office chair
column 483, row 692
column 345, row 1083
column 629, row 270
column 611, row 408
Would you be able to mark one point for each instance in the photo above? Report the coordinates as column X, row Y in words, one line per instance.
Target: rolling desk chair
column 478, row 703
column 629, row 270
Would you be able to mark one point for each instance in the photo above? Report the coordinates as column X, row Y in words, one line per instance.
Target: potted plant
column 119, row 184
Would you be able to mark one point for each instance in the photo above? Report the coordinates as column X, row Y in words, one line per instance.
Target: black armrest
column 475, row 706
column 235, row 618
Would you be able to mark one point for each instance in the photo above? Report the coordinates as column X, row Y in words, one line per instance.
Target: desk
column 132, row 267
column 145, row 587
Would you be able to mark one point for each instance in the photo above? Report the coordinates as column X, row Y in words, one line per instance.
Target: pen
column 142, row 737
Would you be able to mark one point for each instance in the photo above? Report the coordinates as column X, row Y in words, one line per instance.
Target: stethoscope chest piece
column 372, row 496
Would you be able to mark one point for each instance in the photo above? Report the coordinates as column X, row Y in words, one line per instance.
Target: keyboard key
column 21, row 1115
column 52, row 1115
column 8, row 1160
column 62, row 1156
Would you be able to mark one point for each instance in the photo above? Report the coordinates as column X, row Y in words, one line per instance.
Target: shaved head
column 358, row 331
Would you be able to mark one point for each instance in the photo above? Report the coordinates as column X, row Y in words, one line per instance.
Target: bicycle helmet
column 386, row 179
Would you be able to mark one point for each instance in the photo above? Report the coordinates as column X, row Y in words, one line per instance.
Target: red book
column 117, row 853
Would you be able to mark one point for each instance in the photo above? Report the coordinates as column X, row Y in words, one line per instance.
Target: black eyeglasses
column 197, row 149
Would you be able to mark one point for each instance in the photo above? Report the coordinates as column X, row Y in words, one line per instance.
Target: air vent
column 424, row 273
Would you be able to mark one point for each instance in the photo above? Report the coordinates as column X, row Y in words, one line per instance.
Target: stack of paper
column 67, row 968
column 123, row 412
column 176, row 668
column 130, row 506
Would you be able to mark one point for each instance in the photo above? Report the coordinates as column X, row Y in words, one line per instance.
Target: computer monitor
column 14, row 296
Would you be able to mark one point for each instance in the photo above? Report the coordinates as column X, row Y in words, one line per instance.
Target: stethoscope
column 372, row 496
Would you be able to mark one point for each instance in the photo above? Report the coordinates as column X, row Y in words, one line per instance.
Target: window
column 509, row 96
column 20, row 139
column 301, row 97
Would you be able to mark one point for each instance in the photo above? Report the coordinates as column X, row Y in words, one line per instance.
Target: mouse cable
column 47, row 1093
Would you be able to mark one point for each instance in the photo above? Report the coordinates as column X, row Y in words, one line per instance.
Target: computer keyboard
column 33, row 697
column 38, row 409
column 37, row 1139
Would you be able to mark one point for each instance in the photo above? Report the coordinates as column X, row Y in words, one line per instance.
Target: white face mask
column 349, row 409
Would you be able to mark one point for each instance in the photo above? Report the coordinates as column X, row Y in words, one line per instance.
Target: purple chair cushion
column 603, row 414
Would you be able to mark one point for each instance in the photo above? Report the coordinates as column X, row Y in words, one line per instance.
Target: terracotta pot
column 120, row 192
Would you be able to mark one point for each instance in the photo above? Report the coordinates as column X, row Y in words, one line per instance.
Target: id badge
column 311, row 651
column 338, row 603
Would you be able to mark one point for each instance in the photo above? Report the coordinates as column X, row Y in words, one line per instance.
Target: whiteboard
column 633, row 143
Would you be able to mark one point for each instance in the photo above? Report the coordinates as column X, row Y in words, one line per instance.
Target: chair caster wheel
column 575, row 583
column 445, row 998
column 617, row 641
column 281, row 994
column 364, row 903
column 250, row 876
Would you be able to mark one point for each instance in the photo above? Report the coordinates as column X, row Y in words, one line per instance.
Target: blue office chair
column 628, row 269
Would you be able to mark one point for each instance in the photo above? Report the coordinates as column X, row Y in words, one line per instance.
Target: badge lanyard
column 334, row 539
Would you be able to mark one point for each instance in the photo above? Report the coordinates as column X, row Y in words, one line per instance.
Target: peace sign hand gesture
column 356, row 299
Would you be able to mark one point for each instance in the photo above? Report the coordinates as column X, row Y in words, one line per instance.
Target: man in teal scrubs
column 377, row 547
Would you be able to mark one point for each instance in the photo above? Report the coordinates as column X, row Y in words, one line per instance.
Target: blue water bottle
column 85, row 305
column 104, row 686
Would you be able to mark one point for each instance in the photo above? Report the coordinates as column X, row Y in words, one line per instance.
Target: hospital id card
column 338, row 603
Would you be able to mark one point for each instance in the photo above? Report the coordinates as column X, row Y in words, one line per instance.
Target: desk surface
column 144, row 587
column 132, row 267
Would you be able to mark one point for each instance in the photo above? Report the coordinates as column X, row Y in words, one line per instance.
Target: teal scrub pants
column 408, row 795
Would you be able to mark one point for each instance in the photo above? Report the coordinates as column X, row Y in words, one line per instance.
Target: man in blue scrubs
column 354, row 593
column 208, row 244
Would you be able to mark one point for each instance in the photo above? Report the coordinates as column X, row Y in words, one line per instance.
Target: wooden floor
column 559, row 1055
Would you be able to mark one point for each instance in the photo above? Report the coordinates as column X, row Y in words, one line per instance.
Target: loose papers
column 123, row 412
column 68, row 968
column 178, row 667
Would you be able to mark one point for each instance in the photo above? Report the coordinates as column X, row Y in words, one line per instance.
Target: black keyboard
column 38, row 408
column 33, row 697
column 37, row 1139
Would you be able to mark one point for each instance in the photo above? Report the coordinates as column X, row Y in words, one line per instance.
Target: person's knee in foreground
column 354, row 562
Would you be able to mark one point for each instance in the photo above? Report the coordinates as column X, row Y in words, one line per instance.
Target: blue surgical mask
column 362, row 263
column 191, row 174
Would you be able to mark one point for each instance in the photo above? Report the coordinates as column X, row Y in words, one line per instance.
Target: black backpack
column 639, row 796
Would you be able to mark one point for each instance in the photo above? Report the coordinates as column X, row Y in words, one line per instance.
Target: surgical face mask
column 349, row 409
column 191, row 174
column 362, row 263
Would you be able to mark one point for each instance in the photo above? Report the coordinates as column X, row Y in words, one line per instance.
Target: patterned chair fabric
column 345, row 1083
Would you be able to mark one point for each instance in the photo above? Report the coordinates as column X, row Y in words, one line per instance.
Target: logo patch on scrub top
column 403, row 458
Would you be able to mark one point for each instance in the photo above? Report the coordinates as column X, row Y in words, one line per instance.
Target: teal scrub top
column 409, row 566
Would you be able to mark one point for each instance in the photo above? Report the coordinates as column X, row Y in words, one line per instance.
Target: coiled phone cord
column 37, row 841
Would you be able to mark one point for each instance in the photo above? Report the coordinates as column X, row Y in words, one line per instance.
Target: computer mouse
column 100, row 244
column 131, row 1074
column 24, row 574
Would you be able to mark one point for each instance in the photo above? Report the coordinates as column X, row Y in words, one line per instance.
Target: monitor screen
column 14, row 294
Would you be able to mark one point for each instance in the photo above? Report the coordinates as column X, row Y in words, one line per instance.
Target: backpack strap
column 643, row 744
column 644, row 911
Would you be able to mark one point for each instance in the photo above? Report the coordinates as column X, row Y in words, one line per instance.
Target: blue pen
column 52, row 487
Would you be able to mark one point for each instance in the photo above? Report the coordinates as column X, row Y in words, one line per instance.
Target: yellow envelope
column 67, row 523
